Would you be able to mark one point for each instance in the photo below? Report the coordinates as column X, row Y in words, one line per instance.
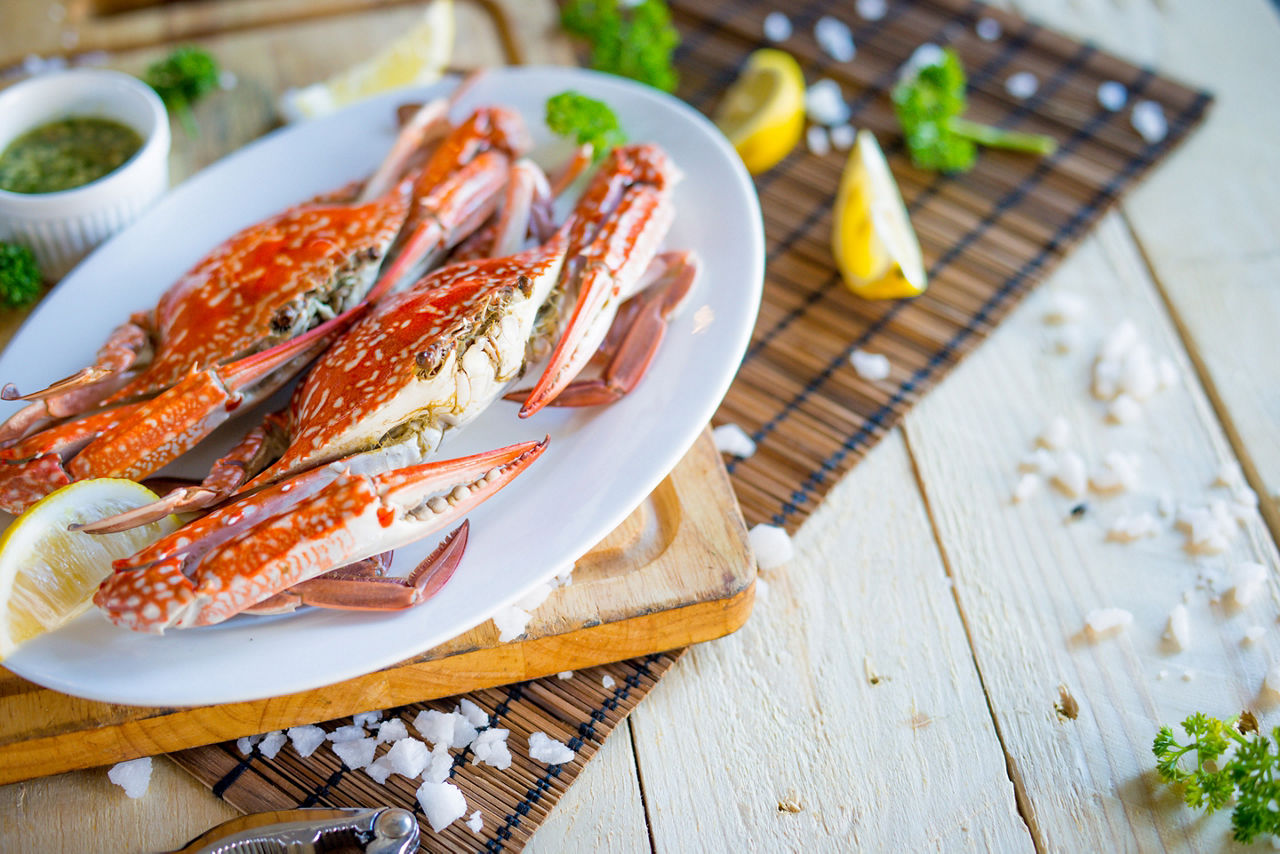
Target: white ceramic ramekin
column 62, row 227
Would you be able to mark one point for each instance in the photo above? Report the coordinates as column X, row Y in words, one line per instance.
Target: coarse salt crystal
column 490, row 747
column 356, row 754
column 246, row 743
column 843, row 136
column 408, row 757
column 392, row 730
column 435, row 726
column 1127, row 529
column 476, row 822
column 511, row 622
column 608, row 681
column 443, row 804
column 988, row 29
column 1118, row 473
column 306, row 739
column 1271, row 683
column 772, row 546
column 133, row 776
column 1104, row 621
column 1065, row 307
column 1070, row 476
column 544, row 748
column 440, row 766
column 1167, row 372
column 565, row 674
column 1112, row 95
column 817, row 140
column 1162, row 674
column 350, row 732
column 1021, row 85
column 1040, row 461
column 271, row 743
column 777, row 27
column 1138, row 377
column 1188, row 675
column 367, row 719
column 1056, row 435
column 1178, row 630
column 1229, row 475
column 871, row 10
column 1123, row 410
column 824, row 103
column 475, row 715
column 870, row 366
column 1249, row 579
column 835, row 38
column 732, row 439
column 1252, row 635
column 378, row 770
column 1119, row 341
column 1149, row 121
column 1026, row 486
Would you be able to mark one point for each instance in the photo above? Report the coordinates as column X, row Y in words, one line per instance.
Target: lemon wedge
column 762, row 114
column 872, row 239
column 48, row 574
column 415, row 59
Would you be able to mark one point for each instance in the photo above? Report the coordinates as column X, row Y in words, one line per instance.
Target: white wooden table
column 898, row 682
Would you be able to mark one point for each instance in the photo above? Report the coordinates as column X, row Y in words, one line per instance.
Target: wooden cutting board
column 677, row 571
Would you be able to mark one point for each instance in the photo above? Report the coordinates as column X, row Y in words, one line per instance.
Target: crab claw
column 354, row 517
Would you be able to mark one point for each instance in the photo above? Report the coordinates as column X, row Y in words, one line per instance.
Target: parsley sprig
column 1209, row 781
column 585, row 120
column 182, row 78
column 628, row 39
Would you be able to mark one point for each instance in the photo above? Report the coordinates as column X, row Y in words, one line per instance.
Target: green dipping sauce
column 66, row 154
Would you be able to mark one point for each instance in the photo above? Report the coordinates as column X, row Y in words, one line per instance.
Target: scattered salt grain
column 435, row 726
column 475, row 715
column 367, row 719
column 544, row 748
column 356, row 754
column 1101, row 622
column 1229, row 475
column 1119, row 341
column 732, row 439
column 1112, row 95
column 1149, row 121
column 511, row 622
column 440, row 766
column 870, row 366
column 1021, row 85
column 922, row 57
column 1271, row 683
column 772, row 546
column 1164, row 505
column 245, row 744
column 777, row 27
column 988, row 29
column 1127, row 529
column 350, row 732
column 1252, row 635
column 871, row 10
column 227, row 80
column 1123, row 410
column 1118, row 473
column 306, row 739
column 1065, row 307
column 1055, row 435
column 1070, row 476
column 1209, row 529
column 1188, row 675
column 608, row 681
column 1026, row 487
column 476, row 822
column 1065, row 340
column 392, row 730
column 271, row 743
column 565, row 674
column 408, row 757
column 1040, row 461
column 824, row 103
column 133, row 776
column 1178, row 630
column 817, row 140
column 1249, row 579
column 1167, row 372
column 843, row 136
column 835, row 38
column 1162, row 675
column 378, row 770
column 443, row 804
column 490, row 747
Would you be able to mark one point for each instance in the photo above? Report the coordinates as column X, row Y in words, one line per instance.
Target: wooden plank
column 1026, row 575
column 1207, row 222
column 851, row 694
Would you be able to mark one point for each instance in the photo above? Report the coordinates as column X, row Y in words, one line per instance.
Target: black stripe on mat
column 1067, row 231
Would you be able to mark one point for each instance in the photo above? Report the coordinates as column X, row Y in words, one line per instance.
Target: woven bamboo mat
column 988, row 236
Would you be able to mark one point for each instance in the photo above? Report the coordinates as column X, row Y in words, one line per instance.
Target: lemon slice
column 48, row 574
column 762, row 114
column 872, row 239
column 415, row 59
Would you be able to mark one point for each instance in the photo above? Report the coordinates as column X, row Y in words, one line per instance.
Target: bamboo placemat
column 987, row 236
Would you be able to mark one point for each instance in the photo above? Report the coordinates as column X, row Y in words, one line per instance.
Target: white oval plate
column 600, row 464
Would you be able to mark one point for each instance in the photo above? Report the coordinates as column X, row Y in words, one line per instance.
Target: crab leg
column 352, row 518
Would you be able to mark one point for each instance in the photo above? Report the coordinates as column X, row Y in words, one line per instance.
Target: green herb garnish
column 183, row 78
column 929, row 104
column 1209, row 781
column 633, row 41
column 585, row 120
column 20, row 282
